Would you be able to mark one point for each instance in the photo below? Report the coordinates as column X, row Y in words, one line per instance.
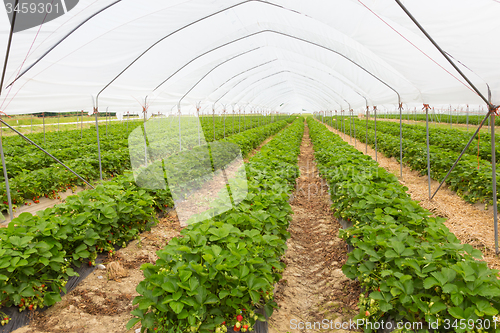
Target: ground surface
column 313, row 287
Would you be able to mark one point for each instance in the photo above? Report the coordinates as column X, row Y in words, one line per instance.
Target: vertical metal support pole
column 199, row 120
column 213, row 121
column 400, row 140
column 145, row 137
column 98, row 143
column 180, row 133
column 233, row 122
column 451, row 122
column 354, row 128
column 493, row 165
column 343, row 122
column 494, row 178
column 239, row 121
column 106, row 121
column 128, row 118
column 32, row 123
column 81, row 126
column 428, row 150
column 375, row 117
column 366, row 132
column 58, row 120
column 350, row 126
column 224, row 123
column 43, row 119
column 6, row 177
column 467, row 118
column 336, row 121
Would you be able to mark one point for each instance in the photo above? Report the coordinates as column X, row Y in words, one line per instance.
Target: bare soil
column 313, row 287
column 470, row 223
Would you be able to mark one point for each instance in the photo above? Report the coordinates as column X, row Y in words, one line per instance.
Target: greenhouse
column 249, row 166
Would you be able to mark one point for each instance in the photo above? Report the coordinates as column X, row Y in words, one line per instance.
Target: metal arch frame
column 315, row 92
column 312, row 43
column 60, row 41
column 319, row 70
column 294, row 73
column 245, row 71
column 289, row 90
column 277, row 98
column 253, row 34
column 255, row 82
column 210, row 71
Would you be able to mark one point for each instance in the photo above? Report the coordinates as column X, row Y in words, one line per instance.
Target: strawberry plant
column 410, row 265
column 223, row 268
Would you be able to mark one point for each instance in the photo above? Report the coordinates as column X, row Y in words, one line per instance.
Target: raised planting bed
column 411, row 266
column 227, row 266
column 40, row 252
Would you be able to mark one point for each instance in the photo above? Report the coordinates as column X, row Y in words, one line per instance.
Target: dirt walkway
column 313, row 287
column 469, row 223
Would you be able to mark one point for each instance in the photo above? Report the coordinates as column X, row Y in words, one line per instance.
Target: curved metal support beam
column 332, row 75
column 250, row 35
column 188, row 25
column 210, row 71
column 245, row 71
column 312, row 43
column 313, row 92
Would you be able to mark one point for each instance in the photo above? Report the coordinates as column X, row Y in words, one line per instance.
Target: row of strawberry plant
column 453, row 140
column 471, row 179
column 221, row 270
column 39, row 251
column 48, row 181
column 411, row 266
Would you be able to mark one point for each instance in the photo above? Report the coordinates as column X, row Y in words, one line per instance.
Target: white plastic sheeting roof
column 313, row 55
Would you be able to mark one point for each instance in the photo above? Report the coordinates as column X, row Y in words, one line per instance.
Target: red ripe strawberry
column 31, row 307
column 367, row 313
column 224, row 322
column 239, row 317
column 379, row 289
column 236, row 329
column 245, row 327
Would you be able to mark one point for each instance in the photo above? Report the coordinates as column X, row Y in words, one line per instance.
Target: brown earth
column 313, row 287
